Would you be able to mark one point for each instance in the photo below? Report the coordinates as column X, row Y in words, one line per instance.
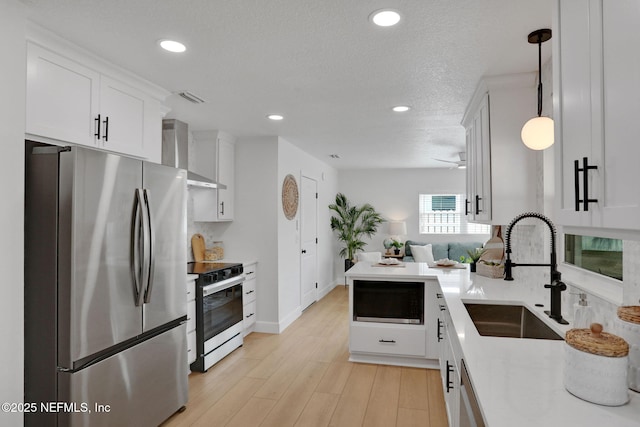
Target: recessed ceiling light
column 172, row 46
column 401, row 108
column 385, row 17
column 275, row 117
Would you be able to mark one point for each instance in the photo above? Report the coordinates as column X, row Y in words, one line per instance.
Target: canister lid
column 630, row 313
column 596, row 342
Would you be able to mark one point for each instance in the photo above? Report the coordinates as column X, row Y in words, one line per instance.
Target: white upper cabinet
column 214, row 157
column 72, row 97
column 501, row 170
column 62, row 97
column 226, row 161
column 597, row 98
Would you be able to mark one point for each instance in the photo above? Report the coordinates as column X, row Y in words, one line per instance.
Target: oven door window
column 221, row 310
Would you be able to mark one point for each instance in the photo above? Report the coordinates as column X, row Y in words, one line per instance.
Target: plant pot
column 473, row 267
column 396, row 251
column 348, row 263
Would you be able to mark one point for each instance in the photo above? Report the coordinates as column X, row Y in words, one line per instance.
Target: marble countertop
column 518, row 382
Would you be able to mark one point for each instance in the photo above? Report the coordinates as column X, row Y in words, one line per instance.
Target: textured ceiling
column 320, row 63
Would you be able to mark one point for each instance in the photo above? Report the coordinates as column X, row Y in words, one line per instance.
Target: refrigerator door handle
column 146, row 245
column 135, row 247
column 150, row 230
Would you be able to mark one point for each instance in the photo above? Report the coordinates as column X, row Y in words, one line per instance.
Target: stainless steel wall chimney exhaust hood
column 175, row 152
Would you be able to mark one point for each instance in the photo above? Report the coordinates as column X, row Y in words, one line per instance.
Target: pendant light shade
column 538, row 133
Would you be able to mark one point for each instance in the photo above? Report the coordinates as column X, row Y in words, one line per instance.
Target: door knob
column 304, row 251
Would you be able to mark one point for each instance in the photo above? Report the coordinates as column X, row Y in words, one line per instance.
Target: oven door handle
column 218, row 286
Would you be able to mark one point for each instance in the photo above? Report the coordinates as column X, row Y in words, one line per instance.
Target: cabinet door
column 481, row 204
column 62, row 97
column 578, row 116
column 122, row 111
column 619, row 200
column 470, row 194
column 226, row 161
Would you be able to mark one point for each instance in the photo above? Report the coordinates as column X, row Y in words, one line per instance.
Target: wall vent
column 191, row 97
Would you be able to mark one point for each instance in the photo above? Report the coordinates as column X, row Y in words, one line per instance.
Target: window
column 597, row 254
column 443, row 214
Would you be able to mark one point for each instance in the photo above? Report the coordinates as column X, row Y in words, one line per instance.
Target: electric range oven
column 218, row 311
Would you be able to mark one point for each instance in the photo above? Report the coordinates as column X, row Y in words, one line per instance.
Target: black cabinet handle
column 439, row 330
column 439, row 295
column 443, row 307
column 576, row 184
column 467, row 203
column 449, row 372
column 249, row 292
column 387, row 341
column 585, row 182
column 249, row 315
column 478, row 198
column 221, row 208
column 106, row 128
column 97, row 124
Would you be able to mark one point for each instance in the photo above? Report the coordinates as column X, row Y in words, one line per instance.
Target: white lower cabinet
column 249, row 294
column 191, row 321
column 376, row 341
column 450, row 361
column 400, row 340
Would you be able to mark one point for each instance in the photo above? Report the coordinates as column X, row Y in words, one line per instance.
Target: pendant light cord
column 539, row 75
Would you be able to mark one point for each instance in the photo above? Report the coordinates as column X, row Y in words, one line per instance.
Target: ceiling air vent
column 191, row 97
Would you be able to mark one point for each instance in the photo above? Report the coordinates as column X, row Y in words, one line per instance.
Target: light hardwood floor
column 302, row 377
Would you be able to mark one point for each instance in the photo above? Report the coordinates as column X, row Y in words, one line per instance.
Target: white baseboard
column 278, row 327
column 289, row 319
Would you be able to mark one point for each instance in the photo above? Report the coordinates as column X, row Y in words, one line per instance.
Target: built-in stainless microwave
column 388, row 302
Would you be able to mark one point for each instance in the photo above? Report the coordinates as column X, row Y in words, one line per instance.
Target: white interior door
column 308, row 256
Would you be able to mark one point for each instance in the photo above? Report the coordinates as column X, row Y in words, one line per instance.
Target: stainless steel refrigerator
column 105, row 300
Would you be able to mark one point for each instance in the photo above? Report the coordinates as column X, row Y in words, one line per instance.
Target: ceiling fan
column 461, row 164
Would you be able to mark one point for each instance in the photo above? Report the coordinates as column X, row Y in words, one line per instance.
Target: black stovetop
column 209, row 267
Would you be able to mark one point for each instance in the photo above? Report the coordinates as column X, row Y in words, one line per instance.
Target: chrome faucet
column 556, row 286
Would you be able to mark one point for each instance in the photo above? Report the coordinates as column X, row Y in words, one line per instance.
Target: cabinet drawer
column 249, row 311
column 384, row 339
column 249, row 291
column 191, row 290
column 191, row 346
column 191, row 316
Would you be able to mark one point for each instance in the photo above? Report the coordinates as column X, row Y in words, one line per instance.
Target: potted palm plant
column 352, row 223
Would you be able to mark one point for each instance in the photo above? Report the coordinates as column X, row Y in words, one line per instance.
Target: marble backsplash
column 528, row 244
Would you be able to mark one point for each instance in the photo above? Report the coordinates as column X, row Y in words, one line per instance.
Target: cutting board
column 494, row 248
column 198, row 247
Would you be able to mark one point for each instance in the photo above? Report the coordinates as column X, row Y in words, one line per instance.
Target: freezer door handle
column 151, row 237
column 136, row 249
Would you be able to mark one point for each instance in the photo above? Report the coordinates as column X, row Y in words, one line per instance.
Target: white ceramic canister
column 595, row 366
column 627, row 325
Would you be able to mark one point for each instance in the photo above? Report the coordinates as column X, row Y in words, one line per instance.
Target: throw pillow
column 423, row 254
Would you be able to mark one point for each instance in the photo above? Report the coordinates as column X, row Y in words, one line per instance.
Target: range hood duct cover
column 175, row 152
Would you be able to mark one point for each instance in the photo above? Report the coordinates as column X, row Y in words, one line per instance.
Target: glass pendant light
column 537, row 133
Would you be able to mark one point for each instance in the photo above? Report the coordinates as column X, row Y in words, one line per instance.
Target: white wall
column 12, row 111
column 261, row 232
column 292, row 160
column 394, row 194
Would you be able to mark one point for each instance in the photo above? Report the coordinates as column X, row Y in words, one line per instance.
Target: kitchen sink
column 513, row 321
